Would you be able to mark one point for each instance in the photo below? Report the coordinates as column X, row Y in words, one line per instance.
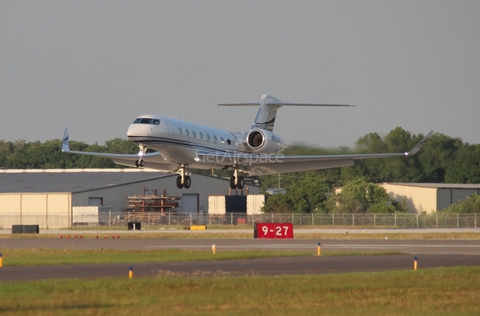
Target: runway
column 430, row 253
column 414, row 246
column 265, row 266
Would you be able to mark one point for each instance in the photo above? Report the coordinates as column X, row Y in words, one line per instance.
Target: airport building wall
column 115, row 196
column 45, row 210
column 217, row 204
column 429, row 197
column 418, row 199
column 54, row 209
column 202, row 186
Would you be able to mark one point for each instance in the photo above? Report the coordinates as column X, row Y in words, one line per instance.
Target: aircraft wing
column 154, row 160
column 257, row 164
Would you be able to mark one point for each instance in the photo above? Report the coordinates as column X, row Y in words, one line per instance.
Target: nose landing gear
column 140, row 162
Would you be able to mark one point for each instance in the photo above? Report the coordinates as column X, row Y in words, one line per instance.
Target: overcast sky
column 93, row 66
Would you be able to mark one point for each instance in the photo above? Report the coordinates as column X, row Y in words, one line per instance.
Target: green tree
column 308, row 195
column 360, row 196
column 305, row 195
column 277, row 203
column 465, row 168
column 469, row 205
column 436, row 156
column 121, row 146
column 396, row 169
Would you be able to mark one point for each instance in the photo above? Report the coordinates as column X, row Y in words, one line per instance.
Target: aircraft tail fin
column 269, row 105
column 267, row 113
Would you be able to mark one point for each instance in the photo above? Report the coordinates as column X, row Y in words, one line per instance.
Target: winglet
column 65, row 141
column 419, row 145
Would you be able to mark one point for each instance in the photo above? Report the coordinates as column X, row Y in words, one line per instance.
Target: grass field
column 441, row 291
column 39, row 257
column 452, row 291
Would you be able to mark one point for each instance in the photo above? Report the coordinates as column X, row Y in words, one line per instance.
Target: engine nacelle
column 265, row 142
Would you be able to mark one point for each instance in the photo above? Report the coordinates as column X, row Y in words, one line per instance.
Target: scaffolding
column 152, row 203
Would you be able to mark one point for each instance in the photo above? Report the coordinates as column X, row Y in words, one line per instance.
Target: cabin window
column 180, row 131
column 187, row 132
column 222, row 141
column 194, row 134
column 201, row 135
column 229, row 141
column 207, row 136
column 214, row 138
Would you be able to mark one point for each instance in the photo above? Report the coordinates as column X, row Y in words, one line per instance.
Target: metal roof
column 69, row 182
column 438, row 185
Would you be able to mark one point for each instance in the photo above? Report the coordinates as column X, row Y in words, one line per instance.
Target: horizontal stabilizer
column 283, row 104
column 269, row 105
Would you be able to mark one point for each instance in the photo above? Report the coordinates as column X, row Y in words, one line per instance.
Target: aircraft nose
column 132, row 130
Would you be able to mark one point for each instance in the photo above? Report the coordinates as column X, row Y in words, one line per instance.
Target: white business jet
column 179, row 145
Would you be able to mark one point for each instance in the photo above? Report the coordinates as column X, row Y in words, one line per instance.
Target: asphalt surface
column 470, row 247
column 267, row 266
column 430, row 253
column 298, row 231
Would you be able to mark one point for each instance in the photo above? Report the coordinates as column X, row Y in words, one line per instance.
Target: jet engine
column 264, row 142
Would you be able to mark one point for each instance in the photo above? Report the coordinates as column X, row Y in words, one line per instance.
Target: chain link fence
column 154, row 219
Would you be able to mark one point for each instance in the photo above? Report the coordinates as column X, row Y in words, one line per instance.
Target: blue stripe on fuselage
column 169, row 141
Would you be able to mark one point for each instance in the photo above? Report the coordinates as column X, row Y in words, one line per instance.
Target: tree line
column 21, row 154
column 443, row 159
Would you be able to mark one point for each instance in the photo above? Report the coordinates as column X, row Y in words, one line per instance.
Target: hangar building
column 430, row 197
column 34, row 195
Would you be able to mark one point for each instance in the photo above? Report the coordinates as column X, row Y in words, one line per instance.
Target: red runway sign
column 273, row 230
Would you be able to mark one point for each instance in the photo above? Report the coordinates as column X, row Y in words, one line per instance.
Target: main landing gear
column 183, row 181
column 236, row 181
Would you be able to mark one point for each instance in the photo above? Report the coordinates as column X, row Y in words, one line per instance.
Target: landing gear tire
column 240, row 182
column 179, row 182
column 232, row 183
column 188, row 182
column 139, row 163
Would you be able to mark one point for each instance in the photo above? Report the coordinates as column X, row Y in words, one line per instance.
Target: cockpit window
column 143, row 120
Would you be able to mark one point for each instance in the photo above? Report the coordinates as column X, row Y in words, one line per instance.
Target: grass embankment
column 40, row 257
column 452, row 291
column 35, row 257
